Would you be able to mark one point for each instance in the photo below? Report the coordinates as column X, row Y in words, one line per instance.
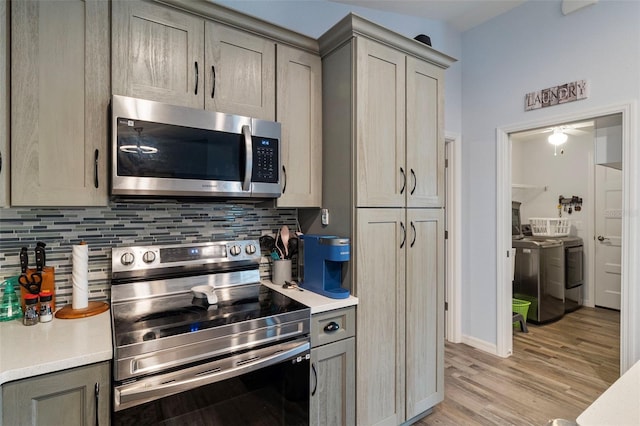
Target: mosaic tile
column 125, row 224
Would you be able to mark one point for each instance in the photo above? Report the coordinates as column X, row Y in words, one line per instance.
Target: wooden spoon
column 284, row 236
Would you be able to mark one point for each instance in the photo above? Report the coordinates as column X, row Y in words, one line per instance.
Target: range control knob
column 127, row 258
column 250, row 249
column 235, row 250
column 149, row 257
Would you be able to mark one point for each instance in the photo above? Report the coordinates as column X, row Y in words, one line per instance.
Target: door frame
column 629, row 315
column 453, row 225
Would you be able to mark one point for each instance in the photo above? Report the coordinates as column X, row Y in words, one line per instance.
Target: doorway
column 630, row 319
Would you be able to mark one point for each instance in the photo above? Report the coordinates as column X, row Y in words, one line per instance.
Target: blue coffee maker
column 323, row 259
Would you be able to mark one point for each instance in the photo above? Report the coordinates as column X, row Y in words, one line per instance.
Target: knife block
column 48, row 283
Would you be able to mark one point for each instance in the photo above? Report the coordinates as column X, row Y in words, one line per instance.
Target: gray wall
column 532, row 47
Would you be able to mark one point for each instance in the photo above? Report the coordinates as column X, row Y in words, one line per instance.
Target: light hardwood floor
column 557, row 370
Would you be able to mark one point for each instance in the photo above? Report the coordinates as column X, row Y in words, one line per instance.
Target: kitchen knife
column 40, row 256
column 24, row 260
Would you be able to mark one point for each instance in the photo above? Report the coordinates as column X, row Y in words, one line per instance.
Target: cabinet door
column 59, row 102
column 241, row 72
column 380, row 271
column 158, row 54
column 299, row 110
column 4, row 105
column 333, row 373
column 76, row 397
column 382, row 177
column 424, row 342
column 425, row 138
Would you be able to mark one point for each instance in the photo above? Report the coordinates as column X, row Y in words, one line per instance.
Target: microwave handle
column 248, row 152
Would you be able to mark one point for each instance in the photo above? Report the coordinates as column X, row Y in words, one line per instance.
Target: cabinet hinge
column 446, row 163
column 446, row 306
column 446, row 235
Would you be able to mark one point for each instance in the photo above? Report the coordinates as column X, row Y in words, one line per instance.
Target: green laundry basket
column 520, row 307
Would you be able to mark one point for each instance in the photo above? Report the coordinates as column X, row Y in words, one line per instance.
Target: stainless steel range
column 198, row 340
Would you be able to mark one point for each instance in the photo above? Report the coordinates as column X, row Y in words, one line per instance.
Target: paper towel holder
column 93, row 308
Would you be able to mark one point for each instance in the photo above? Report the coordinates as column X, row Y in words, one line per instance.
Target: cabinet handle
column 197, row 77
column 415, row 181
column 96, row 154
column 0, row 161
column 404, row 235
column 284, row 174
column 331, row 327
column 213, row 84
column 415, row 234
column 97, row 394
column 315, row 379
column 404, row 183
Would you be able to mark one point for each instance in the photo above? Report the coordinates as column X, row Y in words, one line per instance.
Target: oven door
column 267, row 386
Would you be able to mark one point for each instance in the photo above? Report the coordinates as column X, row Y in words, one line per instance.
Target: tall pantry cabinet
column 383, row 183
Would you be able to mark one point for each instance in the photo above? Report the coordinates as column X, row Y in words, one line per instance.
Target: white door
column 608, row 237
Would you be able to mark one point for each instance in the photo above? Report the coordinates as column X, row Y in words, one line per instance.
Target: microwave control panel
column 265, row 160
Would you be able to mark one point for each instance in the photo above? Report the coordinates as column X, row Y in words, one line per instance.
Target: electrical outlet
column 325, row 217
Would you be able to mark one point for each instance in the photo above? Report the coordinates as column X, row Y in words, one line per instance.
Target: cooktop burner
column 183, row 314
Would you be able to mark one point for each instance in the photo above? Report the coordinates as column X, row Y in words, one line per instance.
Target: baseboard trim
column 480, row 344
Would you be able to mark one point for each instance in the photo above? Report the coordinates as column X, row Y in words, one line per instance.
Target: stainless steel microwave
column 172, row 151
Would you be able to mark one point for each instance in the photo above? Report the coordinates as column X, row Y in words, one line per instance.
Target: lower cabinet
column 333, row 368
column 79, row 396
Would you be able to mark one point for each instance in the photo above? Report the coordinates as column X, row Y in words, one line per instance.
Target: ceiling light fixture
column 558, row 137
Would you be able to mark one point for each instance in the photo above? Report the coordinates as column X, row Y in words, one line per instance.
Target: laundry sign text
column 561, row 94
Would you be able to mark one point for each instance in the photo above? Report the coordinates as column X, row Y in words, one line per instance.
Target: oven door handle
column 137, row 393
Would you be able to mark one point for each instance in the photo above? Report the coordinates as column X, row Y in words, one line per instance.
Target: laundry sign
column 561, row 94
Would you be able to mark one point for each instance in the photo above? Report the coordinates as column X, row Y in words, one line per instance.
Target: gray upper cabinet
column 399, row 128
column 170, row 56
column 241, row 69
column 59, row 100
column 299, row 110
column 425, row 134
column 4, row 105
column 379, row 122
column 398, row 121
column 75, row 397
column 157, row 53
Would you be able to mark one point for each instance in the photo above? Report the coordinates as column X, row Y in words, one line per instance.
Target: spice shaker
column 46, row 312
column 30, row 309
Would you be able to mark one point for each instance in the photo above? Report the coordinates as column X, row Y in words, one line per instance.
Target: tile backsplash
column 122, row 224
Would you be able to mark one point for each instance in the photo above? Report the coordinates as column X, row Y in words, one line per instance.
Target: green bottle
column 10, row 306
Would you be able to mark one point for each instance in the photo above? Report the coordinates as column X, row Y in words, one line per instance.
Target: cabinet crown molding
column 215, row 12
column 354, row 25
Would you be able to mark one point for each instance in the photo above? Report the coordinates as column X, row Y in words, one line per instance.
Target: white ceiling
column 460, row 14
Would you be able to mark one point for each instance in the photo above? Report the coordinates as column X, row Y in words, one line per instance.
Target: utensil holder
column 281, row 271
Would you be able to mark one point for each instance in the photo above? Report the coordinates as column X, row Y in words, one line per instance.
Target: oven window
column 274, row 395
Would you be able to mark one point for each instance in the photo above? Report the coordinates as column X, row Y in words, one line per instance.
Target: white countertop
column 619, row 405
column 27, row 351
column 317, row 302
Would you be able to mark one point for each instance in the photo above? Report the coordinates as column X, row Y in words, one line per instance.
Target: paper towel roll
column 80, row 276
